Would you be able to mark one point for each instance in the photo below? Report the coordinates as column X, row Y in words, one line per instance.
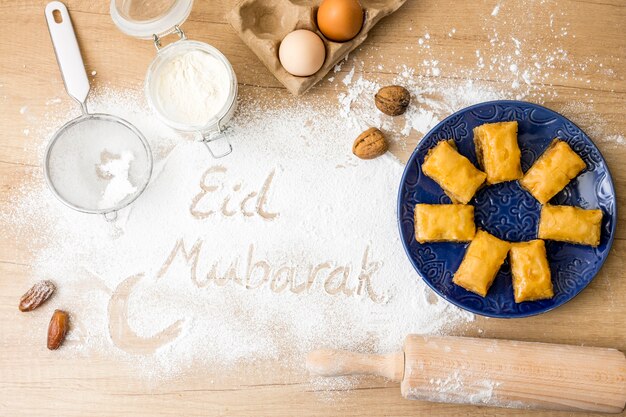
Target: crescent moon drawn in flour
column 121, row 333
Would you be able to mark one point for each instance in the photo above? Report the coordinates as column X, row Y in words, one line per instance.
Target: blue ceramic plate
column 507, row 211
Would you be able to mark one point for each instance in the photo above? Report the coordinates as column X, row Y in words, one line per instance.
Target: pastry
column 570, row 224
column 444, row 223
column 530, row 270
column 454, row 173
column 558, row 165
column 481, row 263
column 498, row 152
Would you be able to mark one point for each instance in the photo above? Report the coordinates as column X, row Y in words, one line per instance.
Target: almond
column 59, row 325
column 392, row 100
column 370, row 144
column 37, row 295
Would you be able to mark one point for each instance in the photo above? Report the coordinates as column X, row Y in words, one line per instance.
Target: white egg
column 302, row 53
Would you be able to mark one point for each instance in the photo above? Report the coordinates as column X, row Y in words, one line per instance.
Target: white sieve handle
column 67, row 52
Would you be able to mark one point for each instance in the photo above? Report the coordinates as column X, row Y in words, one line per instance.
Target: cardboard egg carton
column 262, row 25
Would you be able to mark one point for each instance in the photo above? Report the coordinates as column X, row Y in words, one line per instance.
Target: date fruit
column 37, row 295
column 57, row 330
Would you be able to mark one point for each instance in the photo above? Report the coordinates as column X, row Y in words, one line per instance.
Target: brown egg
column 340, row 20
column 302, row 53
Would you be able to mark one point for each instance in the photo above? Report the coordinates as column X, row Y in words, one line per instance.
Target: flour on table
column 514, row 65
column 289, row 244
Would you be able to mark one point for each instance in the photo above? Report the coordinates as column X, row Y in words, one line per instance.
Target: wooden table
column 35, row 382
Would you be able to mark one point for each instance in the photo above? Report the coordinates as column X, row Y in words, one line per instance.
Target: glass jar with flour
column 190, row 85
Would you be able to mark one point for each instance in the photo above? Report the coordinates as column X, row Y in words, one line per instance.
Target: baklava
column 498, row 151
column 532, row 280
column 570, row 224
column 558, row 165
column 444, row 223
column 481, row 263
column 454, row 173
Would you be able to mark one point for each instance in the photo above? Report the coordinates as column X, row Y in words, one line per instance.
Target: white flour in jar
column 192, row 88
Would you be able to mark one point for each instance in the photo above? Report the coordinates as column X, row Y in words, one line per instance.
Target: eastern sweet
column 570, row 224
column 481, row 263
column 498, row 152
column 554, row 169
column 532, row 280
column 458, row 177
column 444, row 223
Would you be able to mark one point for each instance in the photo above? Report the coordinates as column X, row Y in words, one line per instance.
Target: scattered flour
column 433, row 101
column 348, row 78
column 515, row 65
column 119, row 186
column 453, row 389
column 287, row 245
column 614, row 140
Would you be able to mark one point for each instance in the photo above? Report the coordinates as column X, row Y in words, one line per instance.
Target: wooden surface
column 35, row 382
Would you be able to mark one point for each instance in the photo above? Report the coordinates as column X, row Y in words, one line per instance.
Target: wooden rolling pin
column 498, row 373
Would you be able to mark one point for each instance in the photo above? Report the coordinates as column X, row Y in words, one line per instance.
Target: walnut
column 370, row 144
column 392, row 100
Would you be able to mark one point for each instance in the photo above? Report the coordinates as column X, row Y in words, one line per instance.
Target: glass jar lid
column 145, row 18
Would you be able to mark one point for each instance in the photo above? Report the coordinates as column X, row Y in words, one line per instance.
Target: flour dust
column 514, row 64
column 289, row 244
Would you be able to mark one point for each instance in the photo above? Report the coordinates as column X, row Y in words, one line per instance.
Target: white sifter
column 96, row 163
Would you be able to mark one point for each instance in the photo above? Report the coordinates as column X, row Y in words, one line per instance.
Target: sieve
column 96, row 163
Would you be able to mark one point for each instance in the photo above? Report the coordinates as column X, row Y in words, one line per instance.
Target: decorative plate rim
column 455, row 302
